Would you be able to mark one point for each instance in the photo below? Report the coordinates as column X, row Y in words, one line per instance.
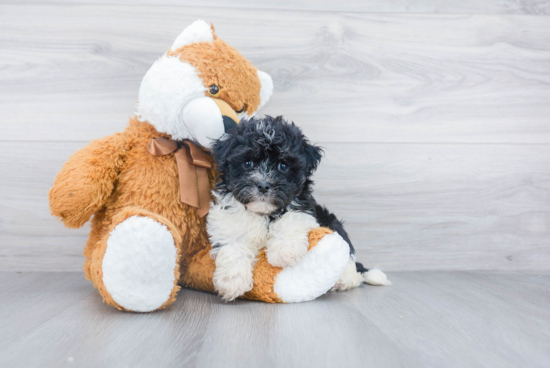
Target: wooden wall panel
column 406, row 206
column 536, row 7
column 72, row 73
column 436, row 126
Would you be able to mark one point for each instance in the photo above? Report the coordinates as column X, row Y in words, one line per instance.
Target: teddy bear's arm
column 86, row 180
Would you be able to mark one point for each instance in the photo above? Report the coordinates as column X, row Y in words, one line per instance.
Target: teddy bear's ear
column 199, row 31
column 213, row 31
column 267, row 88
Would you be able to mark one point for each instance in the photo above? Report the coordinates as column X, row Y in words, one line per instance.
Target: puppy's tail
column 373, row 276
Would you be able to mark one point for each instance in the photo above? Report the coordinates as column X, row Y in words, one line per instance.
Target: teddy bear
column 147, row 189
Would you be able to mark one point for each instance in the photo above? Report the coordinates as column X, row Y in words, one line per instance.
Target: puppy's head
column 265, row 163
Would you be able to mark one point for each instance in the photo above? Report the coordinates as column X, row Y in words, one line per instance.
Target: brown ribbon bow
column 193, row 165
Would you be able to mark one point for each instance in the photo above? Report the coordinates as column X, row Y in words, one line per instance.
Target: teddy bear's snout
column 229, row 116
column 228, row 123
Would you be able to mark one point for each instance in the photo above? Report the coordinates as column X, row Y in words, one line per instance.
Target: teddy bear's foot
column 313, row 276
column 139, row 267
column 317, row 272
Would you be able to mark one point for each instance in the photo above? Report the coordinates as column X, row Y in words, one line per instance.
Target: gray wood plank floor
column 429, row 319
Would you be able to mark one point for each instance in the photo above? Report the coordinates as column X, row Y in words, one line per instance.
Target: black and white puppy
column 264, row 199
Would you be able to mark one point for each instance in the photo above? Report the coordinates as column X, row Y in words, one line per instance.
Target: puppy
column 264, row 199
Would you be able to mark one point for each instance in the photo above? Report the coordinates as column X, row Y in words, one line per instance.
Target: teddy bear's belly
column 153, row 185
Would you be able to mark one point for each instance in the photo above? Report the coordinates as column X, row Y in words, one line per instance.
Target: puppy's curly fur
column 264, row 199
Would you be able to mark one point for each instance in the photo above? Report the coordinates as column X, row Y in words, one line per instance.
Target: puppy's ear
column 221, row 150
column 313, row 155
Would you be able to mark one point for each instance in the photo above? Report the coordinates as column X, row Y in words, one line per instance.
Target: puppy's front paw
column 232, row 283
column 286, row 252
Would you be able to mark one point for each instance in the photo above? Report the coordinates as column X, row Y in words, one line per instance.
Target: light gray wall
column 436, row 121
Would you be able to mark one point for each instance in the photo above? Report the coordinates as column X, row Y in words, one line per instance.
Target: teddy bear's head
column 201, row 87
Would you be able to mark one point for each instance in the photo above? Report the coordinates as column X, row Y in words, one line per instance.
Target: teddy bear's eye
column 248, row 164
column 214, row 90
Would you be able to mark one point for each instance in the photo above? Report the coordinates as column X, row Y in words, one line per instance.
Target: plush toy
column 148, row 188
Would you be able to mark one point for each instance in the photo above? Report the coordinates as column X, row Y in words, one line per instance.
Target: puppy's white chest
column 229, row 222
column 252, row 229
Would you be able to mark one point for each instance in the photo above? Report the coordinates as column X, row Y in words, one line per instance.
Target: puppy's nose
column 264, row 187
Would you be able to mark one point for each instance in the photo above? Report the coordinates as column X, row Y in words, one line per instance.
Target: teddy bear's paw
column 316, row 274
column 139, row 264
column 283, row 252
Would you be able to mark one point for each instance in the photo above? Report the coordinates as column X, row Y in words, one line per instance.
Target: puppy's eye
column 241, row 110
column 214, row 90
column 283, row 167
column 248, row 164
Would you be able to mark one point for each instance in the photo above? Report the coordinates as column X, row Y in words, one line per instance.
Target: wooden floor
column 426, row 319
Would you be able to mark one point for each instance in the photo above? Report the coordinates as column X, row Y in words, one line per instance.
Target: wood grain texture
column 436, row 127
column 406, row 206
column 72, row 73
column 535, row 7
column 431, row 319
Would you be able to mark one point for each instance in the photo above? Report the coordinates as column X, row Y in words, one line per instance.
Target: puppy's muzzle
column 230, row 118
column 264, row 187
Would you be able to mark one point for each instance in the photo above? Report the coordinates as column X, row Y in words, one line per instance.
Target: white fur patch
column 204, row 119
column 318, row 271
column 350, row 278
column 171, row 98
column 229, row 221
column 241, row 235
column 139, row 264
column 166, row 89
column 376, row 277
column 261, row 207
column 288, row 239
column 198, row 31
column 267, row 88
column 234, row 267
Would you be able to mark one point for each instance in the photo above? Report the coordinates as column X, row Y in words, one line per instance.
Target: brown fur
column 317, row 234
column 265, row 274
column 96, row 272
column 236, row 77
column 90, row 176
column 200, row 271
column 115, row 178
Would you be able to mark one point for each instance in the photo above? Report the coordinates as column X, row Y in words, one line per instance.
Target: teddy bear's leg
column 135, row 266
column 317, row 272
column 313, row 276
